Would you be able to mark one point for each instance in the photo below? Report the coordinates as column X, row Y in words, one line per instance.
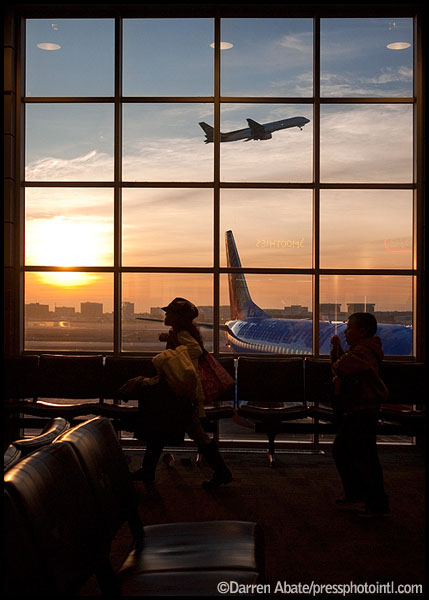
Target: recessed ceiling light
column 48, row 46
column 223, row 45
column 398, row 45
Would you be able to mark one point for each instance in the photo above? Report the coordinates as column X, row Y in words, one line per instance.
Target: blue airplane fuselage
column 294, row 336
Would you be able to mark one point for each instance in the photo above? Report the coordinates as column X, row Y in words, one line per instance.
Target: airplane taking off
column 252, row 330
column 255, row 131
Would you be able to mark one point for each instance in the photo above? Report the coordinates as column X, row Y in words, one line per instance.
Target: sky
column 172, row 227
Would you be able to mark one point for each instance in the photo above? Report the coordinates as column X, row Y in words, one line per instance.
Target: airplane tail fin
column 242, row 305
column 208, row 130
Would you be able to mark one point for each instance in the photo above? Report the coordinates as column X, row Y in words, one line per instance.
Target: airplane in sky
column 255, row 131
column 252, row 330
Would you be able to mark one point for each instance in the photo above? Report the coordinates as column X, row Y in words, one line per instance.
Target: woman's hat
column 182, row 307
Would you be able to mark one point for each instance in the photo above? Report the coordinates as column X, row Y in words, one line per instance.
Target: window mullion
column 216, row 189
column 316, row 181
column 117, row 291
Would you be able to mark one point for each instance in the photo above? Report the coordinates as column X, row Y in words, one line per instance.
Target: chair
column 11, row 456
column 407, row 396
column 73, row 377
column 318, row 388
column 270, row 391
column 118, row 370
column 20, row 376
column 25, row 574
column 53, row 429
column 64, row 377
column 105, row 466
column 204, row 546
column 62, row 528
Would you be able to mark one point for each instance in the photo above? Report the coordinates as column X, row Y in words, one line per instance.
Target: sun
column 63, row 242
column 67, row 279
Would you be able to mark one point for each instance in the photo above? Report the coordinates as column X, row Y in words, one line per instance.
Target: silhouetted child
column 358, row 391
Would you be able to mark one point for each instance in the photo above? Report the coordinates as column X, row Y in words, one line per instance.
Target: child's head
column 360, row 326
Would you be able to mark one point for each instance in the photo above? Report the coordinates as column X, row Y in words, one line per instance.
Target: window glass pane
column 389, row 298
column 268, row 57
column 69, row 142
column 163, row 142
column 70, row 311
column 67, row 227
column 143, row 296
column 367, row 143
column 167, row 227
column 168, row 57
column 280, row 151
column 70, row 57
column 267, row 313
column 366, row 57
column 366, row 229
column 272, row 228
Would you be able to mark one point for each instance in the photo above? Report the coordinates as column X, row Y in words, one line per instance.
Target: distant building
column 329, row 311
column 128, row 310
column 64, row 311
column 34, row 310
column 360, row 307
column 91, row 310
column 296, row 311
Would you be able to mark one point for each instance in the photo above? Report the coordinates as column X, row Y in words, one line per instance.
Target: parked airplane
column 255, row 131
column 252, row 330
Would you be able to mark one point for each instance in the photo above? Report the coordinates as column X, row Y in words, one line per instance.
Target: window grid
column 217, row 185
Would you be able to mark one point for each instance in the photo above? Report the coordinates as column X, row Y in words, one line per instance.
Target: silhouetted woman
column 179, row 315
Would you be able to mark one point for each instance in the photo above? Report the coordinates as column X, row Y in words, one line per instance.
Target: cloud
column 92, row 166
column 301, row 43
column 388, row 81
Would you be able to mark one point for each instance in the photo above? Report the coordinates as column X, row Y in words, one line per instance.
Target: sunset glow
column 158, row 194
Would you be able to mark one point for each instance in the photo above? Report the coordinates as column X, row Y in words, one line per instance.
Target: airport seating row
column 39, row 388
column 64, row 506
column 273, row 395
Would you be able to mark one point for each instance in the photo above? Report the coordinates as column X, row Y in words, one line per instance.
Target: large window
column 277, row 157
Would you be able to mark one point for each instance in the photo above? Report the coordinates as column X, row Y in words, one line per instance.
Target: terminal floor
column 307, row 539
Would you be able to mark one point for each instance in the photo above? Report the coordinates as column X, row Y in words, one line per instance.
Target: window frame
column 217, row 13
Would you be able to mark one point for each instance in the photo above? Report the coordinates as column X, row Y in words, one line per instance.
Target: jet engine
column 263, row 136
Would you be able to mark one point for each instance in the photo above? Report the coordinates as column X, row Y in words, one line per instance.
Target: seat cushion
column 189, row 583
column 272, row 415
column 199, row 546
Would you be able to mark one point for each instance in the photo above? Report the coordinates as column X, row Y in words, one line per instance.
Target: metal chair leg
column 270, row 451
column 168, row 460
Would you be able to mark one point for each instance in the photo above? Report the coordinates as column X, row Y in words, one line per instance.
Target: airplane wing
column 149, row 319
column 256, row 128
column 205, row 325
